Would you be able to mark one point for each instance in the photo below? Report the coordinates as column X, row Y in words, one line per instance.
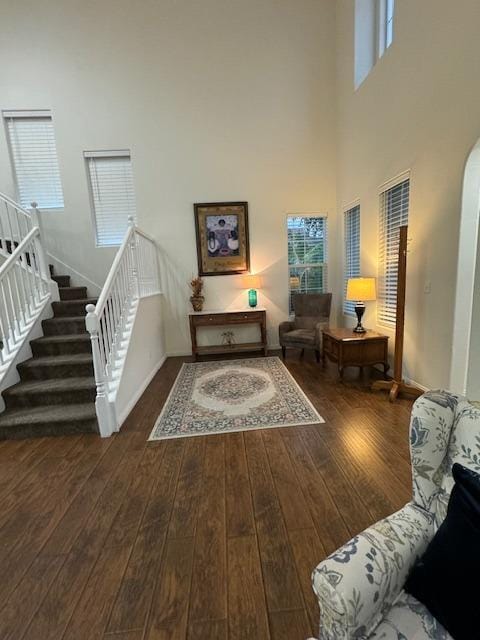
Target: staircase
column 56, row 393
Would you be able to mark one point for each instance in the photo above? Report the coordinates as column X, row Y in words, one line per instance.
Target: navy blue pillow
column 446, row 578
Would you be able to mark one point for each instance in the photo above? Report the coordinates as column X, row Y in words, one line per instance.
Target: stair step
column 62, row 281
column 55, row 391
column 68, row 308
column 64, row 325
column 72, row 293
column 57, row 420
column 61, row 344
column 57, row 366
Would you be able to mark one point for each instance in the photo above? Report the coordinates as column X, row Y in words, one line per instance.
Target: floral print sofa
column 360, row 586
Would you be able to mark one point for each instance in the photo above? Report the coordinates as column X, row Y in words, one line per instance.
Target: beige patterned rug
column 233, row 395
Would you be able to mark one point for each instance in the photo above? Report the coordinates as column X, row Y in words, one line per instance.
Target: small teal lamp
column 252, row 283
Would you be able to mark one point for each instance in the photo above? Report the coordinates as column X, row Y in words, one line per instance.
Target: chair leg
column 302, row 353
column 317, row 355
column 284, row 353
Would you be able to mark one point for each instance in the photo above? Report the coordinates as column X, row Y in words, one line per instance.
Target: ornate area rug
column 233, row 395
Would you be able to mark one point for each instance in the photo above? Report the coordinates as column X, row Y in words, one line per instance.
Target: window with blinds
column 386, row 11
column 307, row 255
column 351, row 224
column 112, row 195
column 394, row 205
column 33, row 153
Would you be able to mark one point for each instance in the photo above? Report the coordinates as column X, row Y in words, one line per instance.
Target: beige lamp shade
column 251, row 282
column 361, row 289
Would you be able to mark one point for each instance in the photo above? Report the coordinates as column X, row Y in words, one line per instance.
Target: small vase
column 197, row 302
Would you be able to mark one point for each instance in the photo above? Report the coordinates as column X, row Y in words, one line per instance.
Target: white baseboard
column 178, row 354
column 417, row 384
column 139, row 393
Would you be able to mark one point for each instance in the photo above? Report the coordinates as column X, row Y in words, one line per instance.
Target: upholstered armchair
column 360, row 586
column 312, row 315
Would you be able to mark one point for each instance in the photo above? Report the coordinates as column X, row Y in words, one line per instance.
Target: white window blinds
column 112, row 194
column 389, row 23
column 307, row 255
column 394, row 204
column 352, row 252
column 34, row 158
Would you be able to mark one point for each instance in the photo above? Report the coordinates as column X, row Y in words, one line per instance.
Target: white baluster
column 106, row 421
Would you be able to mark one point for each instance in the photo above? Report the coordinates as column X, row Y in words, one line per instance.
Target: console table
column 200, row 319
column 349, row 349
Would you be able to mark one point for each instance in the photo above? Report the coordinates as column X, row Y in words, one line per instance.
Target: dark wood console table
column 349, row 349
column 228, row 318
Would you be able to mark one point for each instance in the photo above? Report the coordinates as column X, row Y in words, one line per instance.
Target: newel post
column 106, row 422
column 40, row 253
column 134, row 251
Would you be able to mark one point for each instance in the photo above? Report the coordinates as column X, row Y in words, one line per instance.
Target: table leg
column 263, row 330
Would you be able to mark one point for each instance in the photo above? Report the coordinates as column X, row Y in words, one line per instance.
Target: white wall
column 216, row 100
column 145, row 355
column 419, row 109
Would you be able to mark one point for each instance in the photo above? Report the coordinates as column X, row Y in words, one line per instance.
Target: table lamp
column 252, row 283
column 361, row 290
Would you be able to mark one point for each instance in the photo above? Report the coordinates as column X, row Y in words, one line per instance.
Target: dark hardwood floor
column 205, row 538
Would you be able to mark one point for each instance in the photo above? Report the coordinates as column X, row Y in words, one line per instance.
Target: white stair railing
column 15, row 224
column 134, row 274
column 25, row 283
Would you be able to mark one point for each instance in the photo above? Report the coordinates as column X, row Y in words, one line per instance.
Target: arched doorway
column 465, row 366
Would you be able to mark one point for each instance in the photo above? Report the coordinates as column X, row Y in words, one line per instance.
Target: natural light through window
column 112, row 194
column 352, row 253
column 33, row 153
column 307, row 255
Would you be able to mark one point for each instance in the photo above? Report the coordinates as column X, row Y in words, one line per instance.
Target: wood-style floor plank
column 282, row 588
column 206, row 537
column 240, row 518
column 137, row 586
column 169, row 615
column 292, row 501
column 208, row 600
column 247, row 617
column 289, row 625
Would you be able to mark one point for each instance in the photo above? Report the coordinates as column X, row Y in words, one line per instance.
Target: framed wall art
column 222, row 238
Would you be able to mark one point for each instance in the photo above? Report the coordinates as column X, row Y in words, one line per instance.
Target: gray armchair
column 312, row 315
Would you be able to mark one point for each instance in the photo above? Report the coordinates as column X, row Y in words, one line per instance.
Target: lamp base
column 252, row 298
column 359, row 310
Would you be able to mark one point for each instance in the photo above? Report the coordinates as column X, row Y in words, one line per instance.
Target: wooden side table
column 228, row 318
column 349, row 349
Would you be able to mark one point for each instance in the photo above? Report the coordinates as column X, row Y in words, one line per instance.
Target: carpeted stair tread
column 71, row 308
column 62, row 281
column 52, row 384
column 61, row 344
column 63, row 337
column 64, row 325
column 64, row 358
column 52, row 414
column 71, row 365
column 72, row 293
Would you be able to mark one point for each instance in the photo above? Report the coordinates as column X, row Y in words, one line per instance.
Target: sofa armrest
column 357, row 584
column 285, row 327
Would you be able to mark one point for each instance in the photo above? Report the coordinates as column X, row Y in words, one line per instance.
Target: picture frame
column 223, row 247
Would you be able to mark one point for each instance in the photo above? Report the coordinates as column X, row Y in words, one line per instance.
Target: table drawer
column 228, row 318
